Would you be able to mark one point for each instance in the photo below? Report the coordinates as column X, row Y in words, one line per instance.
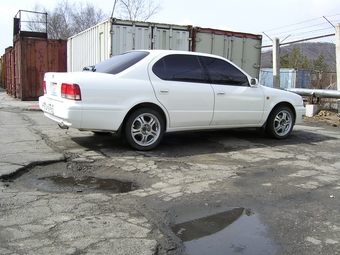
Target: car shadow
column 182, row 144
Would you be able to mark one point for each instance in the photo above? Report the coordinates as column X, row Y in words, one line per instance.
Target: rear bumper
column 68, row 114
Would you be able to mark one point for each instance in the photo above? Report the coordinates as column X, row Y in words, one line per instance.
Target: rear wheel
column 144, row 129
column 280, row 122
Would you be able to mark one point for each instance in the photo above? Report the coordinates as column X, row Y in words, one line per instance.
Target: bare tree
column 59, row 21
column 84, row 17
column 68, row 19
column 35, row 21
column 137, row 9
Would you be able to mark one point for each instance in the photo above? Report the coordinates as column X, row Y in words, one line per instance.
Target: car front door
column 236, row 102
column 181, row 86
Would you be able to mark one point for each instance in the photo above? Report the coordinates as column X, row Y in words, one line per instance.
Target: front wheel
column 144, row 129
column 280, row 122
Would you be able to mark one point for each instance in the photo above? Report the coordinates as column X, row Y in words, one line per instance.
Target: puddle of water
column 72, row 184
column 215, row 230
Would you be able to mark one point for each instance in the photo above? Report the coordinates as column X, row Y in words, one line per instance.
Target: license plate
column 47, row 107
column 54, row 89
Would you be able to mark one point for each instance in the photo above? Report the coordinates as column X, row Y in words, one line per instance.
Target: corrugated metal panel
column 171, row 37
column 130, row 36
column 114, row 36
column 17, row 70
column 289, row 78
column 2, row 72
column 34, row 57
column 89, row 47
column 9, row 81
column 243, row 49
column 134, row 35
column 303, row 79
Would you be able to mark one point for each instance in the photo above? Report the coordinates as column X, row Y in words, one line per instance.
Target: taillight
column 70, row 91
column 44, row 84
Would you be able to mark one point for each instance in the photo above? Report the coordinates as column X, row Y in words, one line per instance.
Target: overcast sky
column 253, row 16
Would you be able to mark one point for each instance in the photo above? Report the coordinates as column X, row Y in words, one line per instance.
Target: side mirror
column 254, row 82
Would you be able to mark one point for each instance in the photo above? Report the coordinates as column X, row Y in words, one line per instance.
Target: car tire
column 280, row 122
column 144, row 129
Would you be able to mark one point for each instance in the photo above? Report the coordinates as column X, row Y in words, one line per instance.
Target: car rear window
column 118, row 63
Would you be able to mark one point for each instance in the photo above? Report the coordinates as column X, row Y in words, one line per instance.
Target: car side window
column 178, row 67
column 224, row 73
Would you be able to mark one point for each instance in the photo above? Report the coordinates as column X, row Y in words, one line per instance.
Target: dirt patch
column 330, row 117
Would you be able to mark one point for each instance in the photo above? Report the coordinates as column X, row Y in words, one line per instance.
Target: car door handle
column 221, row 93
column 164, row 91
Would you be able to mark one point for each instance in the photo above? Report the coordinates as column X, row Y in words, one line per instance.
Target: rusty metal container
column 9, row 69
column 32, row 58
column 243, row 49
column 2, row 71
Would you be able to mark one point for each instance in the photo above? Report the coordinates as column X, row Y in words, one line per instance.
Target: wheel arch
column 143, row 105
column 280, row 104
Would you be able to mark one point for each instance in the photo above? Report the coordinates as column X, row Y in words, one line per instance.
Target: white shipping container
column 114, row 36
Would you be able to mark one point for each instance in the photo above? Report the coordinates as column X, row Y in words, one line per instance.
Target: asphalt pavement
column 290, row 188
column 20, row 145
column 36, row 222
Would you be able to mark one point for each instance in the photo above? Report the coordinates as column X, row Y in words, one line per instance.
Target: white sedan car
column 142, row 94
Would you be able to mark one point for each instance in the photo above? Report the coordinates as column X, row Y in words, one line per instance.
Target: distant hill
column 310, row 50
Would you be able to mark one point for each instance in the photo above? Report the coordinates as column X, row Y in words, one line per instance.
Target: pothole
column 219, row 230
column 71, row 177
column 84, row 184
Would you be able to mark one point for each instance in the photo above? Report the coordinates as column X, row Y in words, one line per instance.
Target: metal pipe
column 323, row 93
column 62, row 125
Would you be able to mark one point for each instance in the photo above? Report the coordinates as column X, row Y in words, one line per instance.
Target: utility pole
column 337, row 54
column 276, row 62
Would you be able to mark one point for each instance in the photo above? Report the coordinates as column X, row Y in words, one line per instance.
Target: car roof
column 161, row 53
column 157, row 52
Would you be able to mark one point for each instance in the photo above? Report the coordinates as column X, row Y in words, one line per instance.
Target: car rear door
column 181, row 86
column 236, row 102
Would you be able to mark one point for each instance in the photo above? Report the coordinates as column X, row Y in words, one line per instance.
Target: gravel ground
column 330, row 117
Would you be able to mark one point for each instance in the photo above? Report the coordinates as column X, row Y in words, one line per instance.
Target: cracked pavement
column 292, row 185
